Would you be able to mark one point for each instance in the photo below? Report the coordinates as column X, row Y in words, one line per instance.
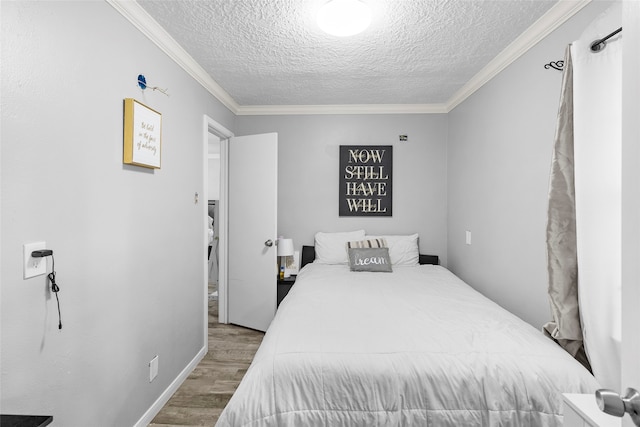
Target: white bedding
column 414, row 347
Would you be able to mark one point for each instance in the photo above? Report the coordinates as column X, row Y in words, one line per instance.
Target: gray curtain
column 562, row 262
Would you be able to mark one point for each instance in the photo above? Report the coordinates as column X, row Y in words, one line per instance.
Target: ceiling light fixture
column 344, row 18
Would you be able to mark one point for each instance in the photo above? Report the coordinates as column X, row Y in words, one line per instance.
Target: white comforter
column 414, row 347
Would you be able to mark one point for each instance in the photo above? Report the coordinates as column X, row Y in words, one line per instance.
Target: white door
column 252, row 228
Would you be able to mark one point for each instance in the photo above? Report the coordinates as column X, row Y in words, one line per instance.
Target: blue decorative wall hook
column 142, row 82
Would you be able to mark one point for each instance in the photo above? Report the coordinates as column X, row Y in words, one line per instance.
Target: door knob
column 611, row 403
column 268, row 243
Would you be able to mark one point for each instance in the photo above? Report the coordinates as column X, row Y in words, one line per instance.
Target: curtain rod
column 596, row 46
column 600, row 44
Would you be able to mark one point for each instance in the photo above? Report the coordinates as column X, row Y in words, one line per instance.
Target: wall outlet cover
column 33, row 267
column 153, row 368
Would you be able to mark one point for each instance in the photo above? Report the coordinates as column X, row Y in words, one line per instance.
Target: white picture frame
column 142, row 135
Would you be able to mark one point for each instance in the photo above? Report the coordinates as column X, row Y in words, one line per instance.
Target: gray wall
column 309, row 171
column 499, row 156
column 127, row 241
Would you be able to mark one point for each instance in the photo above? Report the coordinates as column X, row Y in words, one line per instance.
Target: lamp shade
column 285, row 247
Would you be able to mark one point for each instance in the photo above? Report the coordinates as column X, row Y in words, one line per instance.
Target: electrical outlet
column 403, row 138
column 33, row 267
column 153, row 369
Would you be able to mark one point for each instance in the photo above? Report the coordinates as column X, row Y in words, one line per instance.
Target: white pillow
column 403, row 250
column 369, row 243
column 331, row 248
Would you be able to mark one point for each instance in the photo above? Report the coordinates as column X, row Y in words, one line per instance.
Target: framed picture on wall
column 366, row 174
column 142, row 135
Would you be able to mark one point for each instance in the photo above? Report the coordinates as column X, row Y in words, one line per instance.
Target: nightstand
column 284, row 285
column 25, row 420
column 581, row 410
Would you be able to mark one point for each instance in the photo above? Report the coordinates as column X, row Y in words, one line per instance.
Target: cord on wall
column 52, row 277
column 142, row 83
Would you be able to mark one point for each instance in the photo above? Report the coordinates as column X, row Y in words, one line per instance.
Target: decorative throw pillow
column 370, row 243
column 403, row 250
column 331, row 248
column 369, row 259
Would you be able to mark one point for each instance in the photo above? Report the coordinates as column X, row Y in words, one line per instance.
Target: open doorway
column 251, row 174
column 215, row 163
column 213, row 215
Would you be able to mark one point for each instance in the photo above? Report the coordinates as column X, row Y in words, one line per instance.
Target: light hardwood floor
column 204, row 394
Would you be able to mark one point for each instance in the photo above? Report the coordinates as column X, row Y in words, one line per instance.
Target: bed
column 414, row 346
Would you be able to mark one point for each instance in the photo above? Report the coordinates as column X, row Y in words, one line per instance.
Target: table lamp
column 285, row 249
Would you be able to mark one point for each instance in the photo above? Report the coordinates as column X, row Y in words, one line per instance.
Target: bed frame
column 309, row 254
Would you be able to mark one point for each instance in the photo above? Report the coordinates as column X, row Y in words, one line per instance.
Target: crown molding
column 265, row 110
column 556, row 16
column 148, row 26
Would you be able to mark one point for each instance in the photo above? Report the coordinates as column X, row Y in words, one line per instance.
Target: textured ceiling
column 271, row 52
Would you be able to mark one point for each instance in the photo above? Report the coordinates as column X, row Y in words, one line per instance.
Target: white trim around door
column 211, row 127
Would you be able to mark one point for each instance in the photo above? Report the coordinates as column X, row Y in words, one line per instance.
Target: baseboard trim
column 173, row 387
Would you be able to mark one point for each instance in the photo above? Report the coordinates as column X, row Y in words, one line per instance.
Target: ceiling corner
column 148, row 26
column 272, row 110
column 556, row 16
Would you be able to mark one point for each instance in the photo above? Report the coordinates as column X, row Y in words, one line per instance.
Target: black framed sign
column 365, row 180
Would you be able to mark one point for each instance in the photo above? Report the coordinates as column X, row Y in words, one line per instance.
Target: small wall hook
column 142, row 82
column 556, row 65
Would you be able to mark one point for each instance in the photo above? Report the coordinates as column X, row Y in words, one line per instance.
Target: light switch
column 467, row 237
column 153, row 369
column 33, row 267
